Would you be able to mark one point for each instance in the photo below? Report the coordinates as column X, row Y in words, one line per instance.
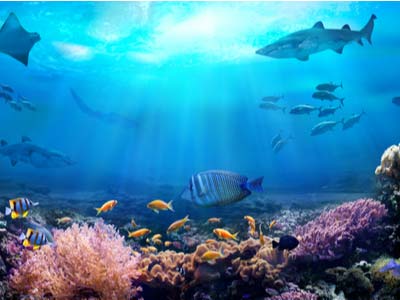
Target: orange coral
column 82, row 258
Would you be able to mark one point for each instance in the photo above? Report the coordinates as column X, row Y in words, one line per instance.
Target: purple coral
column 294, row 295
column 330, row 236
column 89, row 260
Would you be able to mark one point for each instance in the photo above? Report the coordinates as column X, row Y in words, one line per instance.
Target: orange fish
column 157, row 236
column 167, row 243
column 157, row 242
column 152, row 249
column 225, row 234
column 262, row 240
column 272, row 224
column 177, row 224
column 252, row 224
column 109, row 205
column 214, row 220
column 139, row 233
column 158, row 205
column 64, row 220
column 211, row 255
column 144, row 250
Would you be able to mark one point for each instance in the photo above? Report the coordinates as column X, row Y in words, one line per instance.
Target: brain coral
column 390, row 163
column 83, row 259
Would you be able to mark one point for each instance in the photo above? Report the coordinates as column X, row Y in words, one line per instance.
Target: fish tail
column 170, row 206
column 255, row 185
column 275, row 244
column 234, row 236
column 98, row 211
column 186, row 218
column 22, row 237
column 8, row 211
column 35, row 203
column 366, row 32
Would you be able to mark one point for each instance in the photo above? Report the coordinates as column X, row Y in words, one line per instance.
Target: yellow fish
column 152, row 249
column 272, row 224
column 139, row 233
column 157, row 242
column 214, row 220
column 19, row 207
column 109, row 205
column 262, row 240
column 133, row 223
column 144, row 250
column 225, row 234
column 211, row 255
column 158, row 205
column 33, row 238
column 157, row 236
column 167, row 243
column 64, row 220
column 252, row 224
column 177, row 224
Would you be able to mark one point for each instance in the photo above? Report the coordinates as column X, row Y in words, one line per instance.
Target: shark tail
column 366, row 32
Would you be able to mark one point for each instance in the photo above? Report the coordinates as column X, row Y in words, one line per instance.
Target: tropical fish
column 34, row 155
column 19, row 207
column 272, row 98
column 211, row 255
column 276, row 139
column 286, row 242
column 157, row 242
column 302, row 109
column 144, row 250
column 225, row 234
column 152, row 249
column 262, row 239
column 272, row 224
column 252, row 224
column 157, row 236
column 175, row 226
column 109, row 205
column 7, row 88
column 33, row 238
column 272, row 106
column 139, row 233
column 279, row 145
column 15, row 41
column 354, row 119
column 327, row 96
column 323, row 127
column 330, row 87
column 303, row 43
column 326, row 111
column 393, row 266
column 396, row 100
column 157, row 205
column 215, row 188
column 133, row 223
column 167, row 243
column 214, row 220
column 64, row 220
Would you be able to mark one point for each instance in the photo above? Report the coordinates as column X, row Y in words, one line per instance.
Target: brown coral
column 390, row 163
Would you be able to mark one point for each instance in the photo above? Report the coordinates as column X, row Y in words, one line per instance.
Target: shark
column 303, row 43
column 29, row 153
column 15, row 41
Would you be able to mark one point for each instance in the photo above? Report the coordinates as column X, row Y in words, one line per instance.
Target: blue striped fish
column 33, row 238
column 215, row 188
column 19, row 207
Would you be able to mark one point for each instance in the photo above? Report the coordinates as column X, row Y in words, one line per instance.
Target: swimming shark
column 303, row 43
column 37, row 156
column 15, row 41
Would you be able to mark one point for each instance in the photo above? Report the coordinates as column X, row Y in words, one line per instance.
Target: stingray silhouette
column 15, row 41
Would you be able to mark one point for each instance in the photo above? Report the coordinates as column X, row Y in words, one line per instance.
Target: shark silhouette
column 112, row 118
column 303, row 43
column 34, row 155
column 15, row 41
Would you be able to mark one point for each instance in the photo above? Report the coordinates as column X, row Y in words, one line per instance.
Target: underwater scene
column 200, row 150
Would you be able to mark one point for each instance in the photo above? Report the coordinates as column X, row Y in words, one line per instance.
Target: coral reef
column 331, row 235
column 294, row 295
column 390, row 163
column 82, row 261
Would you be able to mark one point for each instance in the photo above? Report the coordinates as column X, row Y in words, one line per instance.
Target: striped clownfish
column 33, row 238
column 19, row 207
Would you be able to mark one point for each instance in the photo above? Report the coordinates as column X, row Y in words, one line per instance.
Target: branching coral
column 83, row 258
column 390, row 163
column 330, row 236
column 246, row 260
column 294, row 295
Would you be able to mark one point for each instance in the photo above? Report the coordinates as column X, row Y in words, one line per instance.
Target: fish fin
column 186, row 194
column 25, row 214
column 14, row 215
column 235, row 236
column 35, row 203
column 36, row 247
column 186, row 218
column 13, row 162
column 342, row 101
column 360, row 42
column 3, row 143
column 170, row 206
column 275, row 244
column 339, row 50
column 8, row 211
column 22, row 237
column 346, row 27
column 98, row 211
column 366, row 32
column 26, row 243
column 254, row 185
column 156, row 211
column 319, row 25
column 302, row 57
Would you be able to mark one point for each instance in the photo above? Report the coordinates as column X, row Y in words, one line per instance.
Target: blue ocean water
column 187, row 73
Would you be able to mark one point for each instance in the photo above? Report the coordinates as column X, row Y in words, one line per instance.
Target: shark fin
column 366, row 32
column 360, row 42
column 3, row 143
column 302, row 57
column 13, row 162
column 339, row 50
column 346, row 27
column 319, row 25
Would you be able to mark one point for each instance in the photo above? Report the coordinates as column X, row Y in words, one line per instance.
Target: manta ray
column 112, row 118
column 15, row 41
column 37, row 156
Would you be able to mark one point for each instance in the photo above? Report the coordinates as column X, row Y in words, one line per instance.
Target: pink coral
column 330, row 236
column 294, row 295
column 83, row 259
